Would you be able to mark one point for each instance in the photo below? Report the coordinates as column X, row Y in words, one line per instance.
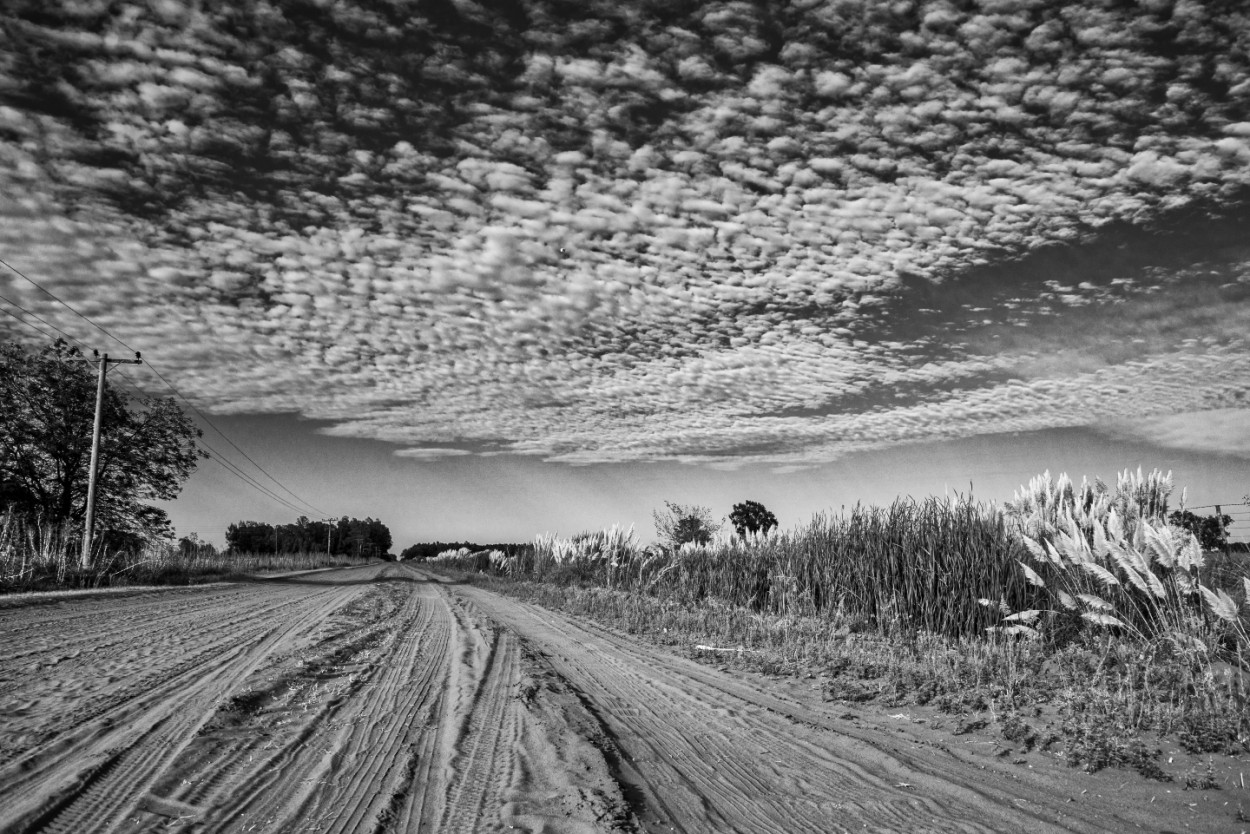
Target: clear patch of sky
column 513, row 498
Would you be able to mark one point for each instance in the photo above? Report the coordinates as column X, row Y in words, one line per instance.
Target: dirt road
column 382, row 699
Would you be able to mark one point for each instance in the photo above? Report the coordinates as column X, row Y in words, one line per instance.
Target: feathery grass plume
column 1147, row 586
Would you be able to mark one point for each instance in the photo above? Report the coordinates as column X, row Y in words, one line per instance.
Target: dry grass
column 43, row 557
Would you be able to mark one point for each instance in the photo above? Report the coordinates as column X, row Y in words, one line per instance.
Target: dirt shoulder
column 715, row 749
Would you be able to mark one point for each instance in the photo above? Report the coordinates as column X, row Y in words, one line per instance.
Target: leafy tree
column 1211, row 530
column 47, row 407
column 679, row 524
column 251, row 537
column 752, row 517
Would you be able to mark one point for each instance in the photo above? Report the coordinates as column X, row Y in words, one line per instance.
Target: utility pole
column 329, row 528
column 89, row 527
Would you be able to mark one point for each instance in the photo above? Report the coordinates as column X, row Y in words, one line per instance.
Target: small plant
column 1015, row 730
column 1202, row 780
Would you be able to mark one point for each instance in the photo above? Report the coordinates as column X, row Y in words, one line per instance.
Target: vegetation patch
column 1077, row 620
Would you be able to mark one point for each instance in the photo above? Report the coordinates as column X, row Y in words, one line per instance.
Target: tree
column 47, row 407
column 1211, row 530
column 752, row 517
column 680, row 524
column 191, row 547
column 251, row 537
column 347, row 536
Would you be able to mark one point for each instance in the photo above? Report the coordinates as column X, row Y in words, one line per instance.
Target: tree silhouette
column 752, row 517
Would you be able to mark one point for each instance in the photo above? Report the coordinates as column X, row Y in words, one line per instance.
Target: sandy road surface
column 381, row 699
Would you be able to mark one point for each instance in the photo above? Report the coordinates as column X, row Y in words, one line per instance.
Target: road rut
column 386, row 699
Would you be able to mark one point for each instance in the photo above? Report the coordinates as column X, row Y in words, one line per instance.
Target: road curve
column 385, row 699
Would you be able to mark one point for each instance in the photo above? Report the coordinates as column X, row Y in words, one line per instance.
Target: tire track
column 82, row 681
column 104, row 803
column 707, row 759
column 370, row 700
column 478, row 766
column 369, row 744
column 138, row 734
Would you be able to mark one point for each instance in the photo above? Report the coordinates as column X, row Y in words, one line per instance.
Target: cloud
column 1224, row 431
column 430, row 454
column 714, row 237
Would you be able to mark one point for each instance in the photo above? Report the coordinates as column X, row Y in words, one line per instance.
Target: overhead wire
column 233, row 445
column 38, row 318
column 31, row 325
column 63, row 303
column 233, row 469
column 167, row 383
column 228, row 465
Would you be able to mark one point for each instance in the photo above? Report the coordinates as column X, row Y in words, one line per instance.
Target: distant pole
column 1219, row 519
column 328, row 529
column 89, row 525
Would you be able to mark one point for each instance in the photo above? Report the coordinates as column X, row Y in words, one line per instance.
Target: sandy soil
column 380, row 698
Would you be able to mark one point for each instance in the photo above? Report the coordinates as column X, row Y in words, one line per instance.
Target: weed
column 1015, row 730
column 966, row 724
column 1202, row 780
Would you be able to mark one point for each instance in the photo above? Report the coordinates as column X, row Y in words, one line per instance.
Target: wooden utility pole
column 89, row 526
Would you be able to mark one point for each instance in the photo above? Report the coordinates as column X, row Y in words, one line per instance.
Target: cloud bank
column 708, row 232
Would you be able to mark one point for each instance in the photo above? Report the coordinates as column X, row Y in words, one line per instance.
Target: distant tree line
column 427, row 550
column 341, row 537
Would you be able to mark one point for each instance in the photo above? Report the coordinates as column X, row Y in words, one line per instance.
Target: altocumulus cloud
column 603, row 231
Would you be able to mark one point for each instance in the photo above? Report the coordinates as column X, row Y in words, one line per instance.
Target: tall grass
column 914, row 566
column 948, row 567
column 35, row 556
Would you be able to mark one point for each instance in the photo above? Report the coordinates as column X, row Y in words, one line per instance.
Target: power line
column 1221, row 504
column 246, row 456
column 65, row 304
column 230, row 466
column 167, row 383
column 233, row 469
column 31, row 325
column 38, row 318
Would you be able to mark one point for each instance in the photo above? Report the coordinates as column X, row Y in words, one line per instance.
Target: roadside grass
column 44, row 558
column 1073, row 621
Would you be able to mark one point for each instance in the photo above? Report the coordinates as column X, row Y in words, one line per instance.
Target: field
column 386, row 698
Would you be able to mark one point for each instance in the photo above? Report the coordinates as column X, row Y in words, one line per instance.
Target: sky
column 489, row 269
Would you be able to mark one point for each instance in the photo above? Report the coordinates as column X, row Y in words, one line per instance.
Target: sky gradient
column 572, row 257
